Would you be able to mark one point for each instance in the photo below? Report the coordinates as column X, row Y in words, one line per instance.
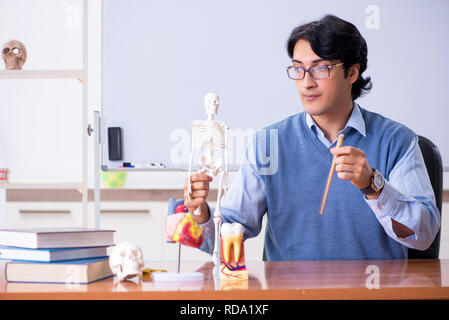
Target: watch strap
column 369, row 190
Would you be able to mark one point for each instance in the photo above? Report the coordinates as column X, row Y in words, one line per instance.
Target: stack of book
column 58, row 255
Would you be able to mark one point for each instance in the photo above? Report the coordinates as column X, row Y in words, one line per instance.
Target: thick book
column 52, row 254
column 80, row 271
column 56, row 237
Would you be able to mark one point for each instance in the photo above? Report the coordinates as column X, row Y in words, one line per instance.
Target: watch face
column 378, row 180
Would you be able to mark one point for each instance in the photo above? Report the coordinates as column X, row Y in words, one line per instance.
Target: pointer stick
column 331, row 174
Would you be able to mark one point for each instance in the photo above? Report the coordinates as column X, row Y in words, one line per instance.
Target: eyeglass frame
column 308, row 70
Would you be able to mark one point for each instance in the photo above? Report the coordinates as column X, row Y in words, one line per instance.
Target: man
column 382, row 201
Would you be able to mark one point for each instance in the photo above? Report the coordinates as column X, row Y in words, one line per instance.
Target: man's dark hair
column 333, row 38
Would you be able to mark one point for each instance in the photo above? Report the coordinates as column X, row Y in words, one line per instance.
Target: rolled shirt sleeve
column 408, row 198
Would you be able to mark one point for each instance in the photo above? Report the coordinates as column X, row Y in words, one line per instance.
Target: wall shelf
column 41, row 74
column 42, row 185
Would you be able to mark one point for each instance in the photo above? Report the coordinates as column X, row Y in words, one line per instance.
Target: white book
column 69, row 271
column 52, row 254
column 71, row 237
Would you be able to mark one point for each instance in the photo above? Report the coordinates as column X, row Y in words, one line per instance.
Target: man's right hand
column 200, row 190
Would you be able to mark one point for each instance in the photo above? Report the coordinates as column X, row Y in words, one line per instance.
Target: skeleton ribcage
column 209, row 137
column 211, row 132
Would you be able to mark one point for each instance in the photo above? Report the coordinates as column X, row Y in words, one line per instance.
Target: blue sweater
column 348, row 229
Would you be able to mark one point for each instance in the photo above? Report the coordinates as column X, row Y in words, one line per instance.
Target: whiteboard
column 161, row 57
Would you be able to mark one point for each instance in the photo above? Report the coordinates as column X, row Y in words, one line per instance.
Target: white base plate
column 174, row 276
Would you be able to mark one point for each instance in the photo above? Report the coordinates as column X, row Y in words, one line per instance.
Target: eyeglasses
column 317, row 72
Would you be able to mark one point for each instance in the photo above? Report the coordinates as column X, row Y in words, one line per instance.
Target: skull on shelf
column 14, row 54
column 126, row 261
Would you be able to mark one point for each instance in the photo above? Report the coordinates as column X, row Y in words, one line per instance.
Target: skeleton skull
column 211, row 103
column 126, row 261
column 14, row 54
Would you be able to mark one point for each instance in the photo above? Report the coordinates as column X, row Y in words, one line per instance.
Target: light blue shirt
column 399, row 200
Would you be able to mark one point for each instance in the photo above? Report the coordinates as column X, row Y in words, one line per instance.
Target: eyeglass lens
column 317, row 72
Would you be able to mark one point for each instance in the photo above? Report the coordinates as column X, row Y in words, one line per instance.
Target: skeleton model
column 14, row 54
column 210, row 137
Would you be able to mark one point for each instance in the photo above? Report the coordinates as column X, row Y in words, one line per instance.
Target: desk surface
column 375, row 279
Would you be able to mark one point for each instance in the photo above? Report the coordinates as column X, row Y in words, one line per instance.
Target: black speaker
column 115, row 143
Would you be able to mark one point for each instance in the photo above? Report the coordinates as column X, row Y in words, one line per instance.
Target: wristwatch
column 377, row 183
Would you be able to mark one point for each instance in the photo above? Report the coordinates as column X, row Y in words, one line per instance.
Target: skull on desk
column 126, row 261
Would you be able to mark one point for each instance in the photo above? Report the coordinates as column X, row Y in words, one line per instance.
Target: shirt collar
column 355, row 121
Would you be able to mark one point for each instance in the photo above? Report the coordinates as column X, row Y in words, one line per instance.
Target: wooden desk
column 389, row 279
